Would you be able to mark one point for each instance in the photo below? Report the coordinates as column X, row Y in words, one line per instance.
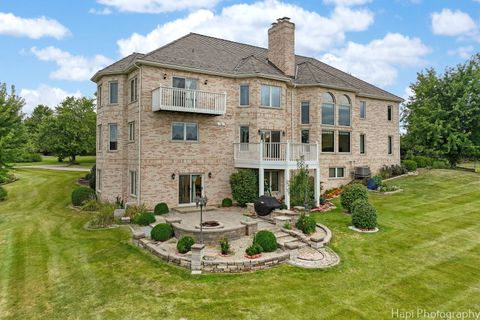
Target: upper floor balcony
column 188, row 100
column 275, row 155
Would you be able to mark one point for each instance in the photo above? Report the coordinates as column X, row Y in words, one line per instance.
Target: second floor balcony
column 274, row 155
column 187, row 100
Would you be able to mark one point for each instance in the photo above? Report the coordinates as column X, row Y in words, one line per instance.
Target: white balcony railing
column 185, row 100
column 275, row 152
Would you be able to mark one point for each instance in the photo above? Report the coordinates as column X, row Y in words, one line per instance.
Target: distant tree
column 12, row 136
column 443, row 117
column 71, row 129
column 32, row 125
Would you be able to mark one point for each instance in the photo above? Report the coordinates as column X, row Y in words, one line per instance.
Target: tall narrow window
column 305, row 136
column 389, row 113
column 100, row 137
column 99, row 96
column 343, row 141
column 113, row 89
column 363, row 110
column 113, row 137
column 390, row 145
column 244, row 134
column 362, row 143
column 328, row 141
column 270, row 96
column 99, row 180
column 131, row 131
column 305, row 112
column 133, row 90
column 133, row 183
column 344, row 111
column 328, row 109
column 244, row 95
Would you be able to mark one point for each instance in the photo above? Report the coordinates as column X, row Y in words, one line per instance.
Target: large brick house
column 178, row 121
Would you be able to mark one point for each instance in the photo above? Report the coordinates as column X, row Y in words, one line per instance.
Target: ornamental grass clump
column 364, row 215
column 351, row 193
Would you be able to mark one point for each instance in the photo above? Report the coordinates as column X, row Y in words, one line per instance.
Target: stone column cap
column 198, row 246
column 249, row 223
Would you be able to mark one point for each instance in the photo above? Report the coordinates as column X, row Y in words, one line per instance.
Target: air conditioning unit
column 362, row 172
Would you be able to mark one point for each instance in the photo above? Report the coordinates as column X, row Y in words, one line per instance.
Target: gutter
column 139, row 177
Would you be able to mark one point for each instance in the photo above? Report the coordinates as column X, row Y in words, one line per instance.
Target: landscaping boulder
column 265, row 205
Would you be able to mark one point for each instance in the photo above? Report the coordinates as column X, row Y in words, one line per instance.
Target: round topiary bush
column 364, row 215
column 306, row 224
column 161, row 208
column 227, row 202
column 411, row 165
column 81, row 195
column 144, row 218
column 185, row 244
column 3, row 193
column 162, row 232
column 351, row 193
column 266, row 240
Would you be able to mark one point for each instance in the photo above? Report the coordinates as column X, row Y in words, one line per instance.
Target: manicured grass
column 426, row 256
column 83, row 162
column 470, row 165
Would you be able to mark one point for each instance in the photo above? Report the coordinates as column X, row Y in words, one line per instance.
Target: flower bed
column 333, row 193
column 324, row 207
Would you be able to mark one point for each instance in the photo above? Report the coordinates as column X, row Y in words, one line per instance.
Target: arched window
column 344, row 111
column 328, row 109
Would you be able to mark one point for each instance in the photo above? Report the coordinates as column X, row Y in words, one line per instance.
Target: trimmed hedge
column 161, row 208
column 227, row 202
column 364, row 215
column 411, row 165
column 266, row 240
column 306, row 223
column 3, row 193
column 440, row 164
column 81, row 195
column 185, row 244
column 144, row 218
column 244, row 185
column 351, row 193
column 162, row 232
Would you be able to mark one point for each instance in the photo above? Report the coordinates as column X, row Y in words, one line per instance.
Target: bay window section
column 343, row 141
column 344, row 111
column 113, row 145
column 328, row 109
column 305, row 112
column 244, row 95
column 270, row 96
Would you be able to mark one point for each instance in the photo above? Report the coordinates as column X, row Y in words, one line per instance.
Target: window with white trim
column 344, row 141
column 389, row 113
column 113, row 92
column 305, row 112
column 113, row 139
column 336, row 172
column 362, row 143
column 133, row 90
column 328, row 109
column 363, row 110
column 328, row 141
column 271, row 180
column 99, row 96
column 133, row 183
column 131, row 131
column 270, row 96
column 344, row 111
column 99, row 137
column 244, row 95
column 183, row 131
column 390, row 144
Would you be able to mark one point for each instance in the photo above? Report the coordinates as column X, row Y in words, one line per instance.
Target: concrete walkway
column 54, row 167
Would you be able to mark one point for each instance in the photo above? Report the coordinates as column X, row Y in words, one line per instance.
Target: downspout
column 139, row 201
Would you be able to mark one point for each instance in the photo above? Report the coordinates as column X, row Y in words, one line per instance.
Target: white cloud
column 244, row 22
column 32, row 28
column 462, row 52
column 46, row 95
column 101, row 12
column 346, row 3
column 378, row 61
column 71, row 67
column 453, row 23
column 157, row 6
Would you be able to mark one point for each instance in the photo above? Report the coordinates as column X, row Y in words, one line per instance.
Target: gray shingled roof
column 211, row 54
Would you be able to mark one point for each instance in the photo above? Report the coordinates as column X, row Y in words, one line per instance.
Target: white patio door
column 271, row 140
column 190, row 186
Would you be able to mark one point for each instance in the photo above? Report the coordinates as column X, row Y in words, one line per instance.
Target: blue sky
column 50, row 49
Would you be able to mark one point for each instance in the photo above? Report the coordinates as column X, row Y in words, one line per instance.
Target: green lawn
column 83, row 162
column 426, row 256
column 470, row 165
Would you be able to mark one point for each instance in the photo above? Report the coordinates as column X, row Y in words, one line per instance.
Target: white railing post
column 287, row 152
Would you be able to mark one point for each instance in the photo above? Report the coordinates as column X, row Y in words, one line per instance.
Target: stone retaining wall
column 164, row 255
column 211, row 236
column 244, row 265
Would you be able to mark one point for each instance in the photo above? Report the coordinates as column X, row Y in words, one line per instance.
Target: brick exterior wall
column 213, row 153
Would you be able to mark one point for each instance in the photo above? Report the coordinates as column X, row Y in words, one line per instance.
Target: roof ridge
column 168, row 44
column 236, row 42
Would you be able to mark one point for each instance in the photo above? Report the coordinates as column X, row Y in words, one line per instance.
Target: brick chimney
column 281, row 45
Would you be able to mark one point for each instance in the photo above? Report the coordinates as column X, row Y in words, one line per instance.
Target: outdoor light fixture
column 173, row 176
column 164, row 76
column 210, row 175
column 205, row 82
column 283, row 133
column 259, row 131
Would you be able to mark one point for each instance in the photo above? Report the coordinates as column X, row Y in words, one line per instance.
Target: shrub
column 302, row 186
column 81, row 195
column 119, row 204
column 104, row 217
column 306, row 224
column 28, row 157
column 392, row 171
column 133, row 210
column 411, row 165
column 351, row 193
column 244, row 185
column 385, row 188
column 283, row 206
column 287, row 226
column 364, row 215
column 227, row 202
column 91, row 205
column 440, row 164
column 162, row 232
column 254, row 249
column 161, row 208
column 3, row 193
column 374, row 183
column 144, row 218
column 266, row 240
column 185, row 244
column 423, row 162
column 6, row 177
column 92, row 177
column 224, row 246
